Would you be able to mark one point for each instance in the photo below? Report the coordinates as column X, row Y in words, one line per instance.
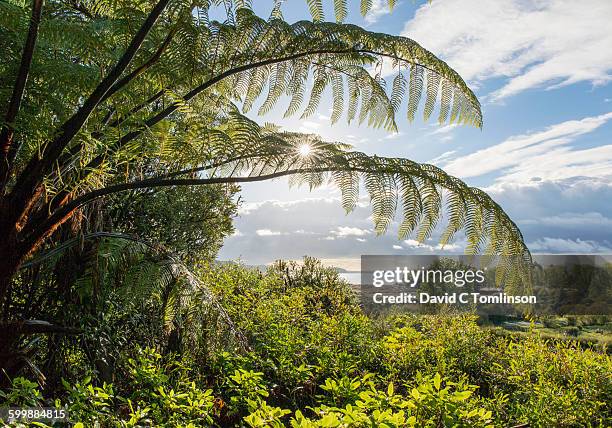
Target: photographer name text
column 452, row 298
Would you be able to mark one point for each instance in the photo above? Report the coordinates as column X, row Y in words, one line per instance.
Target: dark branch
column 38, row 167
column 6, row 136
column 141, row 69
column 44, row 228
column 62, row 197
column 208, row 166
column 37, row 326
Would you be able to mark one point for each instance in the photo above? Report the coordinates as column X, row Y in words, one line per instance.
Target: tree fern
column 113, row 83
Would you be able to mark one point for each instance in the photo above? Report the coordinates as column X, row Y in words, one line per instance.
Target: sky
column 542, row 71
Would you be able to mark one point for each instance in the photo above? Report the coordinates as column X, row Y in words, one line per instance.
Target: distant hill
column 263, row 268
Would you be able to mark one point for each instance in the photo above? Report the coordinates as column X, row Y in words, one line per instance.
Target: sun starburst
column 305, row 150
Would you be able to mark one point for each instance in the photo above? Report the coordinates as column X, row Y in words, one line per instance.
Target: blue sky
column 542, row 70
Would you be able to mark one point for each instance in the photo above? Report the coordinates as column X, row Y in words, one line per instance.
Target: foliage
column 163, row 395
column 191, row 222
column 104, row 97
column 553, row 383
column 316, row 360
column 433, row 402
column 22, row 393
column 306, row 329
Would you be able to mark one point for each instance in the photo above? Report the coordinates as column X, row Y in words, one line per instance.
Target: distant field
column 586, row 330
column 579, row 329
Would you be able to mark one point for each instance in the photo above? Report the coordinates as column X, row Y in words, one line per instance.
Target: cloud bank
column 526, row 43
column 542, row 155
column 567, row 216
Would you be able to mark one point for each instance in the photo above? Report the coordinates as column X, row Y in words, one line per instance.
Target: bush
column 315, row 359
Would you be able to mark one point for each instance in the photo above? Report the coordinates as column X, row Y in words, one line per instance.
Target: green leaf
column 437, row 381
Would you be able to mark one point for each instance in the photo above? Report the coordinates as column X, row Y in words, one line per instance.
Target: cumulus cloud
column 267, row 232
column 572, row 220
column 304, row 232
column 568, row 246
column 545, row 154
column 569, row 210
column 541, row 199
column 448, row 248
column 343, row 231
column 527, row 43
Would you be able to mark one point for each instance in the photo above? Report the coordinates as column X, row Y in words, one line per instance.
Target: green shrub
column 316, row 360
column 553, row 383
column 162, row 395
column 21, row 393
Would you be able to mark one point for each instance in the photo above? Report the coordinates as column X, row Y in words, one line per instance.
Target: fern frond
column 427, row 194
column 316, row 9
column 340, row 10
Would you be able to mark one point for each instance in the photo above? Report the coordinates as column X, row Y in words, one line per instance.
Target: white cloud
column 379, row 8
column 393, row 136
column 444, row 129
column 267, row 232
column 413, row 243
column 527, row 43
column 309, row 126
column 304, row 232
column 343, row 231
column 443, row 133
column 397, row 247
column 540, row 155
column 543, row 199
column 442, row 158
column 571, row 220
column 569, row 246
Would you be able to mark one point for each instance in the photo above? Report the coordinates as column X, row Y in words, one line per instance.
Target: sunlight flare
column 305, row 150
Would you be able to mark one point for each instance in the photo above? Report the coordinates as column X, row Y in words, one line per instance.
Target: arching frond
column 427, row 201
column 189, row 61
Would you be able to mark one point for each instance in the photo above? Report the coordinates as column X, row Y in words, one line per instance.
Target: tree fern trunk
column 10, row 261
